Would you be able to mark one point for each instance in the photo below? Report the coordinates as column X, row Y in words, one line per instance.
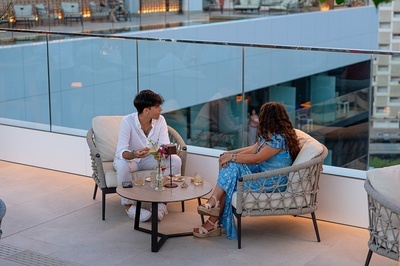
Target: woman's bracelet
column 233, row 157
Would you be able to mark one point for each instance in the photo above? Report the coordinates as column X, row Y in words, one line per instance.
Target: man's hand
column 142, row 152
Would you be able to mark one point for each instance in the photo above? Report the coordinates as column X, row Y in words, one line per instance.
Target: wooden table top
column 148, row 194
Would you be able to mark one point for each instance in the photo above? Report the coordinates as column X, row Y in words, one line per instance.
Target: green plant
column 383, row 161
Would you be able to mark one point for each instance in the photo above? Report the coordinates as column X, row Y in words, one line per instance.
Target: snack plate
column 175, row 179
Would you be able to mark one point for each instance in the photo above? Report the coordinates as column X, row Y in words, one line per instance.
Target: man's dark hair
column 147, row 99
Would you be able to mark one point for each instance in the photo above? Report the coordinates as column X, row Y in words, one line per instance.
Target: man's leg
column 124, row 169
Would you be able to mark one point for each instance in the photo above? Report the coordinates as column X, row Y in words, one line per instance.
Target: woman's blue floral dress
column 229, row 175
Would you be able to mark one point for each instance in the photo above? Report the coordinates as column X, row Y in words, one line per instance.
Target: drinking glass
column 139, row 179
column 198, row 179
column 153, row 179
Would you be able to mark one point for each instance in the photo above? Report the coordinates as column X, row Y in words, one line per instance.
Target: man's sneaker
column 144, row 214
column 162, row 210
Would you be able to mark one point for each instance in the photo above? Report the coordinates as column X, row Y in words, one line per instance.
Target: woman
column 277, row 147
column 253, row 124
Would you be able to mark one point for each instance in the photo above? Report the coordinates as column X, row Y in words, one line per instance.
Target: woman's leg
column 219, row 195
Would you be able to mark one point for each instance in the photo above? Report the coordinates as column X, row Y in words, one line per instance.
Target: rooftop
column 52, row 219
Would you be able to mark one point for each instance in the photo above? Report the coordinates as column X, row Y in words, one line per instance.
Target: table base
column 156, row 243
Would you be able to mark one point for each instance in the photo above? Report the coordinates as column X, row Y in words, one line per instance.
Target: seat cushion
column 110, row 174
column 40, row 6
column 23, row 11
column 310, row 148
column 386, row 181
column 106, row 131
column 70, row 7
column 255, row 3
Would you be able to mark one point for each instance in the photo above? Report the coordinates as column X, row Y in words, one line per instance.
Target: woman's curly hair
column 275, row 120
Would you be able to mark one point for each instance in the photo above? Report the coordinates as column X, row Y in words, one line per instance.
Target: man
column 138, row 132
column 117, row 6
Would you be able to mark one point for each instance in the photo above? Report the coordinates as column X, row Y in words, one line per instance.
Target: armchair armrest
column 97, row 162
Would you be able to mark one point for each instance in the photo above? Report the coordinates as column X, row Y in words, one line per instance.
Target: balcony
column 64, row 80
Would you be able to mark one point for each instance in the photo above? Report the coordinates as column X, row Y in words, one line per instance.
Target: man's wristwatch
column 133, row 154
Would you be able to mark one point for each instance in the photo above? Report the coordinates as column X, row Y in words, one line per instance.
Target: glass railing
column 59, row 82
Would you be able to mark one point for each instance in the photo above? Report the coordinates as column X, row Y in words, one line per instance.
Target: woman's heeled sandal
column 206, row 209
column 203, row 232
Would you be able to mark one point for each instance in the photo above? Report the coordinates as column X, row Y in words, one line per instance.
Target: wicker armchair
column 71, row 11
column 384, row 224
column 23, row 14
column 103, row 147
column 297, row 196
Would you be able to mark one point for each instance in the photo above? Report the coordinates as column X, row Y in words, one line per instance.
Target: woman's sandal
column 206, row 209
column 205, row 233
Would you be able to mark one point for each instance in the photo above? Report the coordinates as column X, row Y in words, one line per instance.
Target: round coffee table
column 148, row 194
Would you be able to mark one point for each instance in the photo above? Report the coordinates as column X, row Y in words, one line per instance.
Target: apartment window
column 396, row 36
column 381, row 89
column 384, row 46
column 380, row 110
column 395, row 79
column 384, row 25
column 395, row 99
column 395, row 57
column 383, row 68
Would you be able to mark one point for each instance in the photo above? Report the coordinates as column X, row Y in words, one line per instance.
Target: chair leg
column 239, row 228
column 368, row 257
column 315, row 226
column 183, row 206
column 95, row 191
column 103, row 205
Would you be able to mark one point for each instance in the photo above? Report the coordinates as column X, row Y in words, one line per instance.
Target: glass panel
column 193, row 78
column 24, row 95
column 90, row 77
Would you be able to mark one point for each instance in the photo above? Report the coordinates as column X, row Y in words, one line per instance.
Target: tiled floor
column 52, row 219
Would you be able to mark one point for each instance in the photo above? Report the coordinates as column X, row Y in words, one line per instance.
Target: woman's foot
column 208, row 229
column 210, row 208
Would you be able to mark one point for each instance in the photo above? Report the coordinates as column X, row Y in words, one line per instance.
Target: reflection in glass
column 331, row 106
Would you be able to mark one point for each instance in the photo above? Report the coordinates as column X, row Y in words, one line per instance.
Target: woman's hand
column 224, row 159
